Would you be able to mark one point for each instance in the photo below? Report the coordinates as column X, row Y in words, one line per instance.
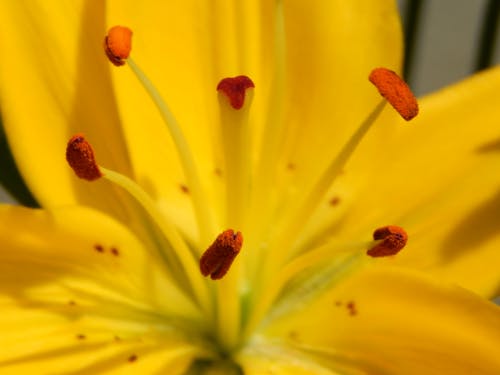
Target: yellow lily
column 104, row 278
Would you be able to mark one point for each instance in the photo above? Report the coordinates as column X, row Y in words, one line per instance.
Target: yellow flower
column 105, row 278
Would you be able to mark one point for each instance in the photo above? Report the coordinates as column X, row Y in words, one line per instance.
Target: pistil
column 235, row 98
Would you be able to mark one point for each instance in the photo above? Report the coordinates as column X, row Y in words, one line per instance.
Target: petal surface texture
column 390, row 322
column 56, row 88
column 84, row 299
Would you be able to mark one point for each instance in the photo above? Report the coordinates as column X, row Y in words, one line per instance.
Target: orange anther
column 117, row 44
column 80, row 157
column 393, row 238
column 234, row 88
column 396, row 91
column 217, row 259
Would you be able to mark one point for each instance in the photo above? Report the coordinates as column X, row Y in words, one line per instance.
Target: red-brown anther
column 217, row 259
column 80, row 157
column 393, row 238
column 234, row 88
column 396, row 91
column 117, row 44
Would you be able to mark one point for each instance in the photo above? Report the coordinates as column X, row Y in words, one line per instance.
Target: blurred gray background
column 447, row 41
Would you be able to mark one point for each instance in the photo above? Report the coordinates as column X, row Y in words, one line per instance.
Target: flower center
column 236, row 303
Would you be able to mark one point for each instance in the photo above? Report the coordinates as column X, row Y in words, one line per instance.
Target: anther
column 393, row 238
column 117, row 44
column 396, row 91
column 234, row 88
column 217, row 259
column 80, row 157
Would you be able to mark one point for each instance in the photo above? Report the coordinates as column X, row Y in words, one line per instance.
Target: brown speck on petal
column 351, row 307
column 334, row 201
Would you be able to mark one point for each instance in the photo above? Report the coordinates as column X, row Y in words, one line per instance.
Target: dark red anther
column 217, row 259
column 80, row 157
column 393, row 238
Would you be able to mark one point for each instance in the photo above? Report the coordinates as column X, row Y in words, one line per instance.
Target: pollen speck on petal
column 396, row 91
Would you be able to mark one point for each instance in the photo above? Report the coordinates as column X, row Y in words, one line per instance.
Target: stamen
column 396, row 91
column 217, row 259
column 393, row 238
column 235, row 88
column 303, row 208
column 80, row 157
column 117, row 44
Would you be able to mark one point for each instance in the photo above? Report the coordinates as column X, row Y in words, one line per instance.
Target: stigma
column 395, row 90
column 234, row 89
column 393, row 240
column 118, row 44
column 217, row 259
column 80, row 157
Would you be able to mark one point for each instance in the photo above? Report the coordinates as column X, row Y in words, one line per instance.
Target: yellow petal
column 434, row 177
column 332, row 48
column 393, row 322
column 77, row 254
column 39, row 342
column 280, row 361
column 55, row 83
column 80, row 293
